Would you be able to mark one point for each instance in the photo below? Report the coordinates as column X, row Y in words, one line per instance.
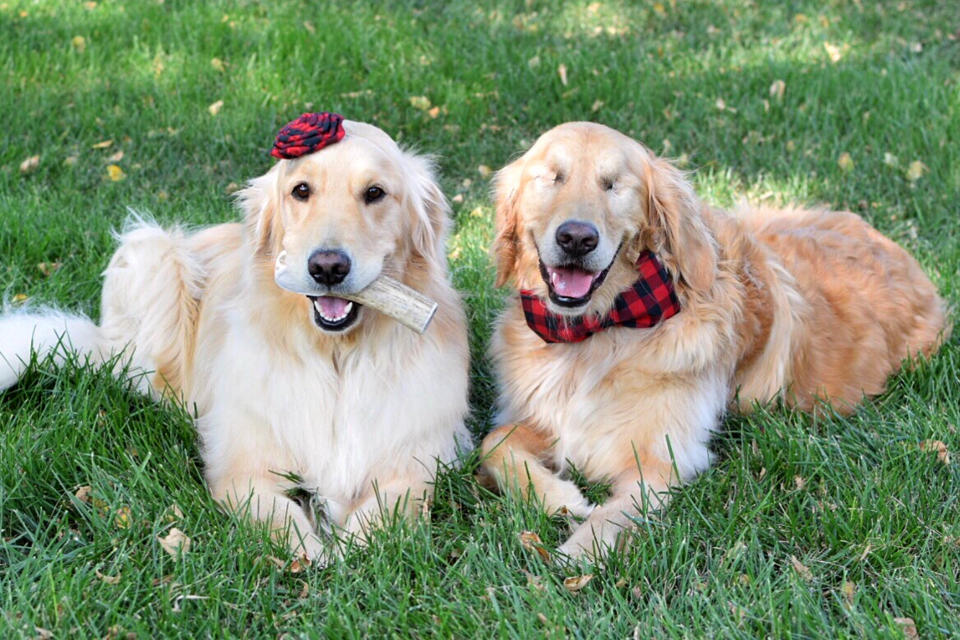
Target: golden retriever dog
column 294, row 392
column 801, row 305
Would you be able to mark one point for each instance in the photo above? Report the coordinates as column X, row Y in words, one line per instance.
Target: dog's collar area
column 650, row 300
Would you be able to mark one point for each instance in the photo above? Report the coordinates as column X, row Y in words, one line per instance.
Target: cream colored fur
column 361, row 417
column 802, row 305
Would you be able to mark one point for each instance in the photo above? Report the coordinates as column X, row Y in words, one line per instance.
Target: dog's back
column 868, row 303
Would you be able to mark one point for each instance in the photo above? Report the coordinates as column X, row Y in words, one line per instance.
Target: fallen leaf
column 299, row 564
column 562, row 72
column 845, row 161
column 79, row 43
column 309, row 27
column 305, row 591
column 799, row 482
column 484, row 170
column 659, row 9
column 46, row 268
column 214, row 108
column 117, row 157
column 890, row 160
column 597, row 104
column 532, row 542
column 908, row 626
column 801, row 569
column 70, row 160
column 533, row 62
column 576, row 583
column 848, row 589
column 20, row 297
column 833, row 52
column 176, row 542
column 123, row 518
column 115, row 173
column 29, row 164
column 916, row 170
column 233, row 187
column 721, row 104
column 542, row 618
column 777, row 89
column 82, row 493
column 102, row 145
column 457, row 199
column 217, row 64
column 943, row 454
column 106, row 578
column 420, row 102
column 434, row 112
column 42, row 634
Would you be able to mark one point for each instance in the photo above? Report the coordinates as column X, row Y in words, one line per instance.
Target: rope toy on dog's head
column 308, row 133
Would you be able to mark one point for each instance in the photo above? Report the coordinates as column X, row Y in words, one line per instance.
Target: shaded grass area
column 806, row 526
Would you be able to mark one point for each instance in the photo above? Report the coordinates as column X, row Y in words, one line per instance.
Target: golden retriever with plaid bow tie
column 796, row 304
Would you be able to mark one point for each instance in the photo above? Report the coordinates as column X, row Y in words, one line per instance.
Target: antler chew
column 405, row 305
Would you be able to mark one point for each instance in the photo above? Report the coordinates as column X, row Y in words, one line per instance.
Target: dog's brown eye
column 301, row 191
column 373, row 194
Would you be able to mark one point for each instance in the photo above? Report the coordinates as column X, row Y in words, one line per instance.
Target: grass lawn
column 826, row 527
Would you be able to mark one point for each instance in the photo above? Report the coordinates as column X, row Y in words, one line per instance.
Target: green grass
column 873, row 518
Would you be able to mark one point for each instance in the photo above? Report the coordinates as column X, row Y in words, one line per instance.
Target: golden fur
column 803, row 305
column 360, row 417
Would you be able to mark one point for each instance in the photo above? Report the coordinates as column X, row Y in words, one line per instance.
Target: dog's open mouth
column 334, row 314
column 571, row 286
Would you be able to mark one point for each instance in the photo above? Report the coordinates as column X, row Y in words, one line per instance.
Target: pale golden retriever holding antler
column 293, row 392
column 645, row 313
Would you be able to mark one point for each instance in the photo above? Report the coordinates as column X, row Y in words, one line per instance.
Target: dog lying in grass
column 292, row 391
column 644, row 313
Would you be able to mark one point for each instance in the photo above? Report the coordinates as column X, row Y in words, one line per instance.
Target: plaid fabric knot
column 308, row 133
column 650, row 300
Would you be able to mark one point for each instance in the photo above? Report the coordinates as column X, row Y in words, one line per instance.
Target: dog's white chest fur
column 332, row 422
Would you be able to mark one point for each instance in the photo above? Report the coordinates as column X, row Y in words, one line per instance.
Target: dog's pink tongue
column 570, row 283
column 333, row 308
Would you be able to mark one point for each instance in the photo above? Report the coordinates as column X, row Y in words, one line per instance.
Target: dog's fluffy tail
column 48, row 332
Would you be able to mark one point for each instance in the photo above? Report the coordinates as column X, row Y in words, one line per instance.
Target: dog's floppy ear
column 430, row 207
column 506, row 242
column 680, row 233
column 258, row 200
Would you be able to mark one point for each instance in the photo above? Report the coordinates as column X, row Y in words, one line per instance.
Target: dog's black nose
column 328, row 267
column 577, row 238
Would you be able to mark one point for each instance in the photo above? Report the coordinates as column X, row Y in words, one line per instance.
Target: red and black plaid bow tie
column 650, row 300
column 308, row 133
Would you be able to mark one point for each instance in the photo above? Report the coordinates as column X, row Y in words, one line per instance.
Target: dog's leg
column 151, row 293
column 405, row 496
column 516, row 455
column 262, row 500
column 633, row 494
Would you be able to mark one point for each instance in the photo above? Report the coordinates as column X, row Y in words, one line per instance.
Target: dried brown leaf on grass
column 801, row 569
column 943, row 454
column 176, row 542
column 532, row 542
column 105, row 578
column 576, row 583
